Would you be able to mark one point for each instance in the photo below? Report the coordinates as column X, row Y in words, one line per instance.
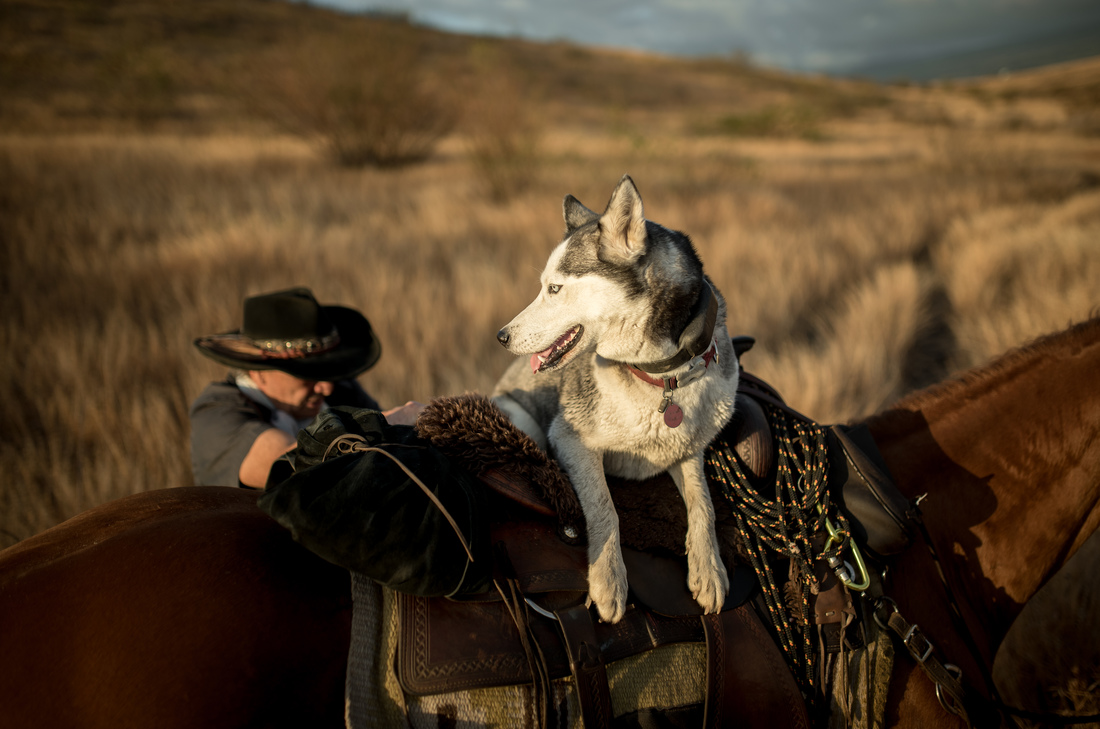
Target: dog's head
column 617, row 283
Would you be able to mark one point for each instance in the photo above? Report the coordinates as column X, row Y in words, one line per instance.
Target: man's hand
column 405, row 414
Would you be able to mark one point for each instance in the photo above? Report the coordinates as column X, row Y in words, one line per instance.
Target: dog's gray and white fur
column 621, row 291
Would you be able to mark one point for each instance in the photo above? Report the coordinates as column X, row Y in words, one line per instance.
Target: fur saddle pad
column 476, row 435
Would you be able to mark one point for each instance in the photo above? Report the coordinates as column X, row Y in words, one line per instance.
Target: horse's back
column 173, row 608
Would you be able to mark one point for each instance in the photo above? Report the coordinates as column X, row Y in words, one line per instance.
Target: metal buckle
column 914, row 630
column 697, row 367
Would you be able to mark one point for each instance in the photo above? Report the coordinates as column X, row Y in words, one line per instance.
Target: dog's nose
column 504, row 337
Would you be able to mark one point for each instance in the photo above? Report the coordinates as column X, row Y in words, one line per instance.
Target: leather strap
column 695, row 338
column 671, row 382
column 752, row 688
column 719, row 709
column 947, row 682
column 587, row 666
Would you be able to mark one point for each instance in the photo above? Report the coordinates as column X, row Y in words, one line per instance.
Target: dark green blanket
column 344, row 496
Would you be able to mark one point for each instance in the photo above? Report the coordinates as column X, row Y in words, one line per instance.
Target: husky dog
column 630, row 372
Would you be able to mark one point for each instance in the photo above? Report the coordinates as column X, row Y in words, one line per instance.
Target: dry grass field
column 158, row 165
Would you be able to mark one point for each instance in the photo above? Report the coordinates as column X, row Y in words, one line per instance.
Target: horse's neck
column 1009, row 458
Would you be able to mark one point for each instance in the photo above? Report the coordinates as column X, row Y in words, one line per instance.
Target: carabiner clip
column 845, row 575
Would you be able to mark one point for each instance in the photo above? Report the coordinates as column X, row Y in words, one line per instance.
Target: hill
column 1034, row 50
column 222, row 64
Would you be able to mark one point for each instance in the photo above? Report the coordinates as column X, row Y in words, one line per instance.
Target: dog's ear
column 576, row 214
column 622, row 225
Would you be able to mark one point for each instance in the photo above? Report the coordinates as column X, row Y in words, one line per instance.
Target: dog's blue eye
column 553, row 288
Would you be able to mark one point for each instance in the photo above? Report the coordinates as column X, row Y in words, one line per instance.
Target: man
column 292, row 358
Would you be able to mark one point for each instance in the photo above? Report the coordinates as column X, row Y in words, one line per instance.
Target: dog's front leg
column 607, row 584
column 707, row 577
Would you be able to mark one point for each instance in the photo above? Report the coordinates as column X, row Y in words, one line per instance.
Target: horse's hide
column 1055, row 637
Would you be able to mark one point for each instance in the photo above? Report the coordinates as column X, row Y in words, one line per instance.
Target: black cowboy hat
column 290, row 332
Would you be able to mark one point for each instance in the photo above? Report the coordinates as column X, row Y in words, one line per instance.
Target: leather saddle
column 534, row 625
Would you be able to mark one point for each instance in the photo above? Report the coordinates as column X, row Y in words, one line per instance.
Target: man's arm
column 224, row 427
column 267, row 447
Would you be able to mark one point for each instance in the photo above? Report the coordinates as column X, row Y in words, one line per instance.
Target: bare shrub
column 502, row 137
column 139, row 84
column 784, row 121
column 364, row 95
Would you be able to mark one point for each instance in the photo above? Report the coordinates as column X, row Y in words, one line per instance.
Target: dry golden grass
column 914, row 232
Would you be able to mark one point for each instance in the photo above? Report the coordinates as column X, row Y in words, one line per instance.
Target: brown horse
column 191, row 608
column 1009, row 457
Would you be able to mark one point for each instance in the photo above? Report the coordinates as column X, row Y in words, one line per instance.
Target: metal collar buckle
column 697, row 367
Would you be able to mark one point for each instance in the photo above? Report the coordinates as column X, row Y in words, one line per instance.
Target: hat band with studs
column 295, row 348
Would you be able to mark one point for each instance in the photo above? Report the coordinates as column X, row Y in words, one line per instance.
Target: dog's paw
column 708, row 582
column 607, row 586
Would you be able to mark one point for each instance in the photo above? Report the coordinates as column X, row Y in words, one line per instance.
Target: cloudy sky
column 829, row 36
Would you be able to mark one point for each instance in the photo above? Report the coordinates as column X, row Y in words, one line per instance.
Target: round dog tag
column 673, row 415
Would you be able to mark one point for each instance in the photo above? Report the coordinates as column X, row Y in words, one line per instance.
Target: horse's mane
column 1076, row 335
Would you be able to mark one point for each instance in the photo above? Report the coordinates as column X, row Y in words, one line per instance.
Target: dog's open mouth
column 555, row 354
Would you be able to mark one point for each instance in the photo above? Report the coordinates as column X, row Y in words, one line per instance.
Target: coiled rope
column 783, row 527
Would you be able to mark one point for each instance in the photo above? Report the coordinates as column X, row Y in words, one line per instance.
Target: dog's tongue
column 536, row 363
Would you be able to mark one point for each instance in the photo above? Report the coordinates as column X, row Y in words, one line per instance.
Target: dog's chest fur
column 617, row 414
